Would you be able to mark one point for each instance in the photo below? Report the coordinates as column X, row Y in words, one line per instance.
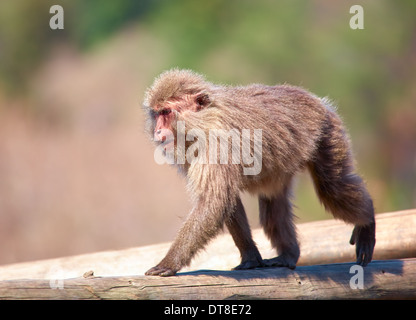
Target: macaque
column 298, row 131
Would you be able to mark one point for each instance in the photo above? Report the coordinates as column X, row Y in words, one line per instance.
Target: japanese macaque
column 298, row 131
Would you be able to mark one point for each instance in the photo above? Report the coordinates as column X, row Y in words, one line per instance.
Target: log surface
column 321, row 242
column 382, row 280
column 118, row 274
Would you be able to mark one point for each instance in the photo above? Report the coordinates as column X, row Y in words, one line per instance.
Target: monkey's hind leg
column 342, row 191
column 239, row 228
column 276, row 217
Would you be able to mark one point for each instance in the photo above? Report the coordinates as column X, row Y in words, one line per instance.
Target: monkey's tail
column 340, row 190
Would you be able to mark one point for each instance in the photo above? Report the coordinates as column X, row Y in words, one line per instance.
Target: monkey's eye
column 165, row 112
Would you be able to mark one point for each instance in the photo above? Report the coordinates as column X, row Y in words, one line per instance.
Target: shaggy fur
column 299, row 130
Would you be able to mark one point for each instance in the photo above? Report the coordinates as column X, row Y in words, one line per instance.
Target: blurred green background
column 76, row 171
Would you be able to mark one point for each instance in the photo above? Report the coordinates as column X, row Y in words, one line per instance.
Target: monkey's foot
column 249, row 264
column 280, row 261
column 160, row 271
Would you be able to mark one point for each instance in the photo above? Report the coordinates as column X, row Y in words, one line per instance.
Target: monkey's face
column 165, row 116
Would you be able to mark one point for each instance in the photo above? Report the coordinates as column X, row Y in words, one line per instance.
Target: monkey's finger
column 360, row 258
column 353, row 236
column 364, row 254
column 363, row 259
column 360, row 251
column 367, row 257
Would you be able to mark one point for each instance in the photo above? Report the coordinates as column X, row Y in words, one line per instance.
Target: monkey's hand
column 364, row 237
column 161, row 271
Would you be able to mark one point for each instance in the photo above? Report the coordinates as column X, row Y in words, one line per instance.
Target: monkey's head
column 174, row 95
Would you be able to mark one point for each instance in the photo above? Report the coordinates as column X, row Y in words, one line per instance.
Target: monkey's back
column 291, row 120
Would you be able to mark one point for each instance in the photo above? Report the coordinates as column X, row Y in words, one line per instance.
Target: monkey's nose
column 159, row 136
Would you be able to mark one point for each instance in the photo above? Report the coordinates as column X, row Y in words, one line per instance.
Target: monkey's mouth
column 168, row 145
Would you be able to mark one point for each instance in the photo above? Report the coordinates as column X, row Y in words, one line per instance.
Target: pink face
column 165, row 115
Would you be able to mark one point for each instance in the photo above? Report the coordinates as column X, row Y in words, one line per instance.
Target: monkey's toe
column 280, row 261
column 160, row 271
column 249, row 264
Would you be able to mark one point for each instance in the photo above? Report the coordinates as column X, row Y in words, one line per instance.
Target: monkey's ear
column 202, row 100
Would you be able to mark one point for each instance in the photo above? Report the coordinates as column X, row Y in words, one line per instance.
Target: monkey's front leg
column 202, row 224
column 239, row 228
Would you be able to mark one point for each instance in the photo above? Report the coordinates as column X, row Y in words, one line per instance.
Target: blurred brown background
column 77, row 172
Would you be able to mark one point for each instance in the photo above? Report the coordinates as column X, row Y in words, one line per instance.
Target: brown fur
column 299, row 130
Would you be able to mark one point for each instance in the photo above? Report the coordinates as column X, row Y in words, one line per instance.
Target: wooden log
column 381, row 280
column 321, row 242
